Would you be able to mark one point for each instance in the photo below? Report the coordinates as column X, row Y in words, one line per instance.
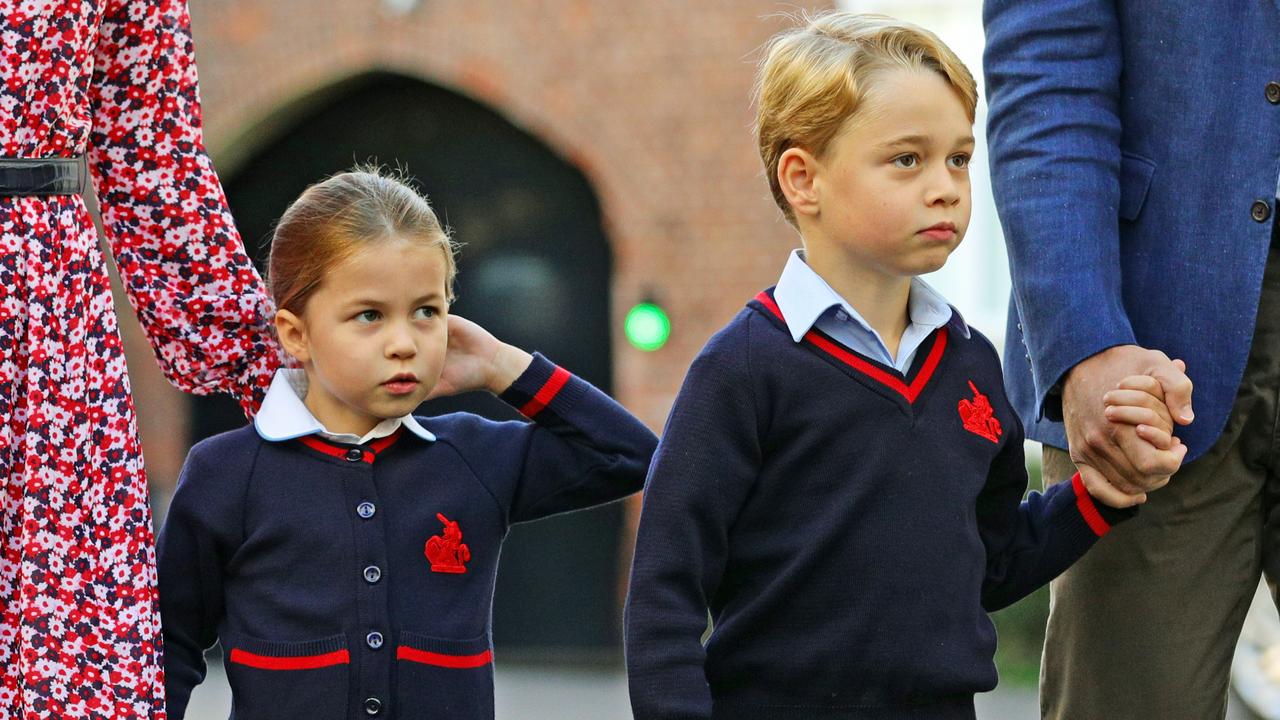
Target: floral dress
column 114, row 80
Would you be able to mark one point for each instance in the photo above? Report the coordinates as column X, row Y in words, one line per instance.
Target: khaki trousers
column 1143, row 627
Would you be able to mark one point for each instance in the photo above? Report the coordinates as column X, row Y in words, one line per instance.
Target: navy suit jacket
column 1130, row 142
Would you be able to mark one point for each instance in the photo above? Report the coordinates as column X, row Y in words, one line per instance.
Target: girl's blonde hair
column 340, row 215
column 815, row 77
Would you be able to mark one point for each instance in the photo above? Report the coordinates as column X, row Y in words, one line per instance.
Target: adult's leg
column 1145, row 624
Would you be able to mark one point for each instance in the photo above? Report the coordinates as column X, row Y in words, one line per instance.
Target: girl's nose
column 400, row 343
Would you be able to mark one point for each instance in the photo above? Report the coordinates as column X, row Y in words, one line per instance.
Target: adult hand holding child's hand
column 1122, row 453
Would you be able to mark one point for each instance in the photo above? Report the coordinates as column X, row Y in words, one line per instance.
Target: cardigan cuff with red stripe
column 1100, row 517
column 542, row 387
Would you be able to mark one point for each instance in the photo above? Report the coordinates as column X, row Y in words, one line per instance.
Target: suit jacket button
column 1273, row 92
column 1260, row 211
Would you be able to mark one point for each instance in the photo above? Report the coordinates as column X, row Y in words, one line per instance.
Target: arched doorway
column 534, row 269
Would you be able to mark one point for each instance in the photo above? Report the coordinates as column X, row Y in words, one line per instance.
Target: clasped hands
column 1119, row 407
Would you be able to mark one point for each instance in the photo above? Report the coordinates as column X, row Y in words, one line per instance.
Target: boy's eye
column 425, row 313
column 906, row 161
column 367, row 316
column 960, row 161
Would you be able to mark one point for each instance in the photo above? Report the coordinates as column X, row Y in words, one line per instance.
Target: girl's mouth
column 402, row 384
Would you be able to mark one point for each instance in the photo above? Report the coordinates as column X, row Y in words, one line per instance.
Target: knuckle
column 1095, row 439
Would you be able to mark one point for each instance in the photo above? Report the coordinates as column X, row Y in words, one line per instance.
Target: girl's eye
column 367, row 316
column 424, row 313
column 960, row 161
column 906, row 161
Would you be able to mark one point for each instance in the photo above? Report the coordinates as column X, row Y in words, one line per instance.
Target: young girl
column 343, row 551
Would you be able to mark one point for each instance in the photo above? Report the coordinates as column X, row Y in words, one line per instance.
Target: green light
column 647, row 327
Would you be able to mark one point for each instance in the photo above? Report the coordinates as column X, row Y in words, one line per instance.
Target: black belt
column 42, row 176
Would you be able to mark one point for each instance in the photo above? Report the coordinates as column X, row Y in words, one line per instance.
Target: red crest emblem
column 446, row 551
column 979, row 417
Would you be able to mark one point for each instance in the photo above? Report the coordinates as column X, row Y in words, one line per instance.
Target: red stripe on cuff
column 548, row 393
column 460, row 662
column 1089, row 511
column 304, row 662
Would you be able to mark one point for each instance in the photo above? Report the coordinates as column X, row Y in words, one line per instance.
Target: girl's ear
column 797, row 173
column 292, row 332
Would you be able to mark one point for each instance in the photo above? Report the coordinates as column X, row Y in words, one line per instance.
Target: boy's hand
column 476, row 360
column 1139, row 400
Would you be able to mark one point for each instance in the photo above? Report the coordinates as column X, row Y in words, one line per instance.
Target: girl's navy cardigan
column 348, row 581
column 846, row 526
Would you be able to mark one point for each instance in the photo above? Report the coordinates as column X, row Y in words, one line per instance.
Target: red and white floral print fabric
column 114, row 80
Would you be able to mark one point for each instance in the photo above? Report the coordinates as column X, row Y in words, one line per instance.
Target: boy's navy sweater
column 846, row 526
column 348, row 581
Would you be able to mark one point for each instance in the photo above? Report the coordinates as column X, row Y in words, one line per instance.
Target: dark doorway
column 534, row 269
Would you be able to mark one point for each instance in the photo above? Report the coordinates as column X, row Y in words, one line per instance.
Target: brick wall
column 650, row 100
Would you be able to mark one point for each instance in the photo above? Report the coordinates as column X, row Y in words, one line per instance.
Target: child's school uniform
column 847, row 524
column 356, row 580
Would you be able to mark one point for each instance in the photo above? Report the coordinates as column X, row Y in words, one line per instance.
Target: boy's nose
column 944, row 189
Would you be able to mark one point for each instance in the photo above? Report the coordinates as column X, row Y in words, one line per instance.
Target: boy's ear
column 797, row 172
column 293, row 335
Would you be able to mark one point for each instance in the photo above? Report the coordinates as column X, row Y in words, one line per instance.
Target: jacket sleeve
column 707, row 462
column 582, row 448
column 1053, row 69
column 201, row 532
column 198, row 297
column 1029, row 542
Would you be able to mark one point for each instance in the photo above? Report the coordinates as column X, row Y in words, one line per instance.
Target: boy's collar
column 803, row 296
column 284, row 416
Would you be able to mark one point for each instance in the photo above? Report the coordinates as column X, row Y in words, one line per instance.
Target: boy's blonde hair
column 340, row 215
column 814, row 78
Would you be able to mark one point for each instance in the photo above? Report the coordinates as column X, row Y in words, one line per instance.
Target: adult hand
column 1114, row 453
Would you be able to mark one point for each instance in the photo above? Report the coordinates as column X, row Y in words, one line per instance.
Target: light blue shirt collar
column 284, row 416
column 804, row 297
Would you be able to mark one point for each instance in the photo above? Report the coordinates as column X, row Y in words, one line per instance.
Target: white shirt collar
column 284, row 416
column 803, row 296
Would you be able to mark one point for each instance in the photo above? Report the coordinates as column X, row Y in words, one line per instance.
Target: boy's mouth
column 401, row 384
column 940, row 231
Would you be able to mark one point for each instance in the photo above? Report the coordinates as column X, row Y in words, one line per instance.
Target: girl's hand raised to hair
column 476, row 360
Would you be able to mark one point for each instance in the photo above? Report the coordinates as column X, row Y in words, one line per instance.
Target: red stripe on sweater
column 848, row 358
column 460, row 662
column 301, row 662
column 316, row 443
column 546, row 393
column 1088, row 510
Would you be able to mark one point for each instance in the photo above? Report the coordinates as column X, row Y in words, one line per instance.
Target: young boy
column 839, row 482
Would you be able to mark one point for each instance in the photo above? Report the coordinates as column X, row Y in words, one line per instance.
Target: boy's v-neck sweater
column 847, row 526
